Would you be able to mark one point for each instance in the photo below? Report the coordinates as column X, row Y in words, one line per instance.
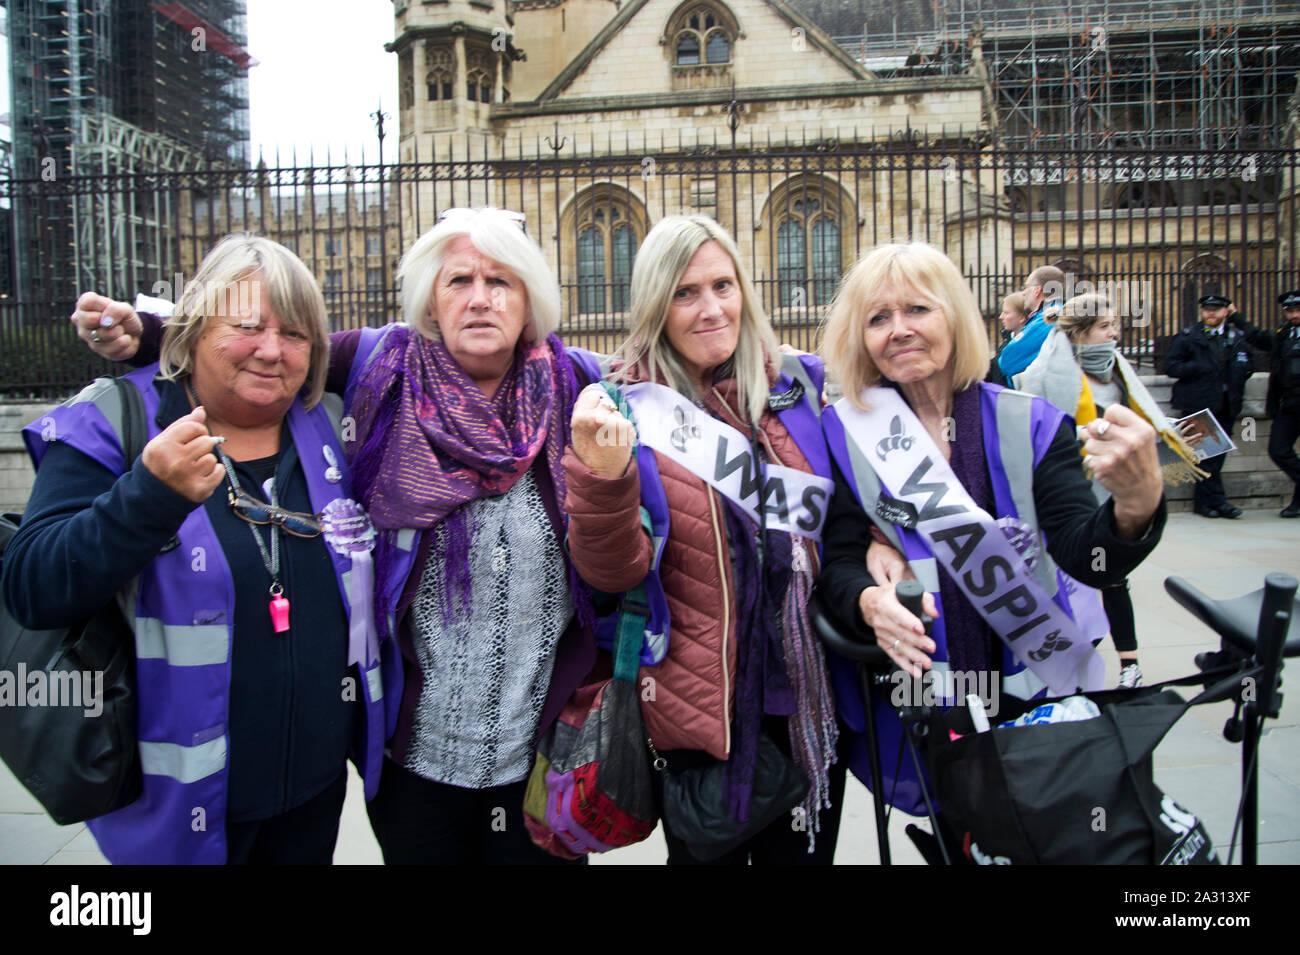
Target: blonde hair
column 1080, row 313
column 1016, row 302
column 663, row 257
column 496, row 234
column 220, row 284
column 910, row 267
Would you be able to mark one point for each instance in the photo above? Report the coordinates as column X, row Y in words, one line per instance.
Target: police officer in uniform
column 1211, row 362
column 1283, row 402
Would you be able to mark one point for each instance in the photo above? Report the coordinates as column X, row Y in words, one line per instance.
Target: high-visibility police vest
column 183, row 612
column 1018, row 430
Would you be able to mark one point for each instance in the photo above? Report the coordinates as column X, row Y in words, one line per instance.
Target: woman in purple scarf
column 457, row 421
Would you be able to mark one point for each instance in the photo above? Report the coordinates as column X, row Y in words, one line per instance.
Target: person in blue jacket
column 227, row 543
column 1044, row 291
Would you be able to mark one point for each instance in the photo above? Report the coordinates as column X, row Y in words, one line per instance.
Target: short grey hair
column 286, row 283
column 496, row 234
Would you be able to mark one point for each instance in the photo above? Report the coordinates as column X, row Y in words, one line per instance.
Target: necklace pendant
column 279, row 608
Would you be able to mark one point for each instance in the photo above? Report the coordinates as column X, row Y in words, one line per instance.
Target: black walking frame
column 1008, row 786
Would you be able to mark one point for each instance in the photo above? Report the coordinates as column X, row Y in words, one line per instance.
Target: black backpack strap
column 135, row 428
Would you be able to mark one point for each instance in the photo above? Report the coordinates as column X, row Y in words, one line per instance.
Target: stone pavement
column 1194, row 764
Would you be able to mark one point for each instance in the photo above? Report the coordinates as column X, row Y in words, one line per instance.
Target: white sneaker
column 1130, row 676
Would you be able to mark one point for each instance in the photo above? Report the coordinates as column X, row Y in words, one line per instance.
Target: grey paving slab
column 29, row 839
column 13, row 796
column 1194, row 763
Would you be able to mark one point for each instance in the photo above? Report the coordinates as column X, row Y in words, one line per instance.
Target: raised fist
column 602, row 437
column 111, row 329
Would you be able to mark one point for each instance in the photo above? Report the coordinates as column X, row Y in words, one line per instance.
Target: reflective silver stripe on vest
column 792, row 366
column 374, row 684
column 926, row 570
column 182, row 646
column 1023, row 684
column 186, row 764
column 1016, row 446
column 406, row 538
column 332, row 405
column 864, row 475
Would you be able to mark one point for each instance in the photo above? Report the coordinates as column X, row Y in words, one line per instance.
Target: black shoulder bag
column 67, row 713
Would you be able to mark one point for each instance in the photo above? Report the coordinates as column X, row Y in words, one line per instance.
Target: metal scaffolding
column 1110, row 73
column 123, row 72
column 125, row 237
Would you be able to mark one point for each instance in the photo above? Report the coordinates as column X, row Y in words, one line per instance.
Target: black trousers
column 1209, row 493
column 1281, row 441
column 1118, row 604
column 420, row 822
column 302, row 836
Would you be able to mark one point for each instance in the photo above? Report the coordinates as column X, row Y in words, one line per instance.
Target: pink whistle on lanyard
column 279, row 608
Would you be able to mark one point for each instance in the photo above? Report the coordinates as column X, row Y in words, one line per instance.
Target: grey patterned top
column 486, row 675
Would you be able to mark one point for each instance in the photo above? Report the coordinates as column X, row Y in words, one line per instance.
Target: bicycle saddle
column 1235, row 619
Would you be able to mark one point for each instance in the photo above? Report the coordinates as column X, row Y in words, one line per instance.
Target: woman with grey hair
column 457, row 419
column 227, row 543
column 741, row 674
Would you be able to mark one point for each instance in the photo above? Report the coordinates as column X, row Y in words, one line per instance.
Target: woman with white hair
column 459, row 417
column 982, row 489
column 730, row 447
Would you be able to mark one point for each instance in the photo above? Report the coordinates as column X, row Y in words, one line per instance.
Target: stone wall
column 16, row 473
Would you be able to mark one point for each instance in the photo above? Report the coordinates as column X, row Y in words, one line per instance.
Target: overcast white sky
column 322, row 70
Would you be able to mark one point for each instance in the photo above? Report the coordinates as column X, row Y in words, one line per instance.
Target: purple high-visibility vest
column 1018, row 430
column 182, row 609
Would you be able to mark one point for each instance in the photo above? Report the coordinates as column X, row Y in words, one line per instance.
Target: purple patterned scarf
column 430, row 441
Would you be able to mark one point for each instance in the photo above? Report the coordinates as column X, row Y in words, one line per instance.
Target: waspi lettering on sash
column 970, row 545
column 794, row 501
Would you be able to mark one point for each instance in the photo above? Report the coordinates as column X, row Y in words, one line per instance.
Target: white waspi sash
column 720, row 455
column 969, row 544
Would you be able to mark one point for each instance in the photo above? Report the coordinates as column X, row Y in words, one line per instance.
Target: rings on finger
column 94, row 335
column 896, row 643
column 1102, row 427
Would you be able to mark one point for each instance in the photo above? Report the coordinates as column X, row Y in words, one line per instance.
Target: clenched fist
column 1120, row 452
column 183, row 457
column 111, row 329
column 602, row 438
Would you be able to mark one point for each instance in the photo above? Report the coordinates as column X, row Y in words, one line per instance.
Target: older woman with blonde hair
column 982, row 490
column 457, row 422
column 1081, row 371
column 227, row 544
column 731, row 449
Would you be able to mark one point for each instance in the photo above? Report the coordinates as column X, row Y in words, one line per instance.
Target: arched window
column 439, row 78
column 809, row 247
column 608, row 224
column 703, row 35
column 607, row 246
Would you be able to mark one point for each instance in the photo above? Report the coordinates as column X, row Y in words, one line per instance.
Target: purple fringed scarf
column 762, row 686
column 430, row 441
column 970, row 642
